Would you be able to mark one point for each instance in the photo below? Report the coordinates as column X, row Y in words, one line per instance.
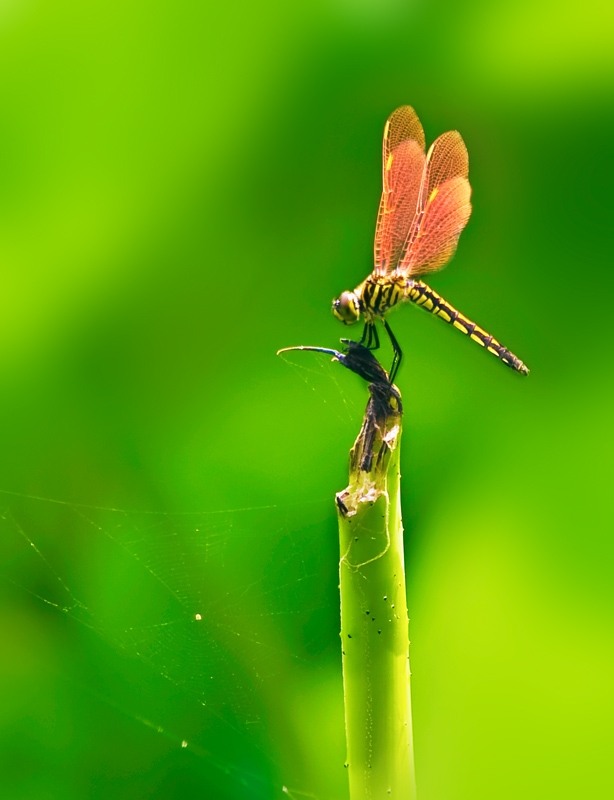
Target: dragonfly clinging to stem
column 424, row 207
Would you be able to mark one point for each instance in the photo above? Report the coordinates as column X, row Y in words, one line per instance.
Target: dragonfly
column 425, row 204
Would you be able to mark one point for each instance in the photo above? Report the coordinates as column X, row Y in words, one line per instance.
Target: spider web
column 227, row 615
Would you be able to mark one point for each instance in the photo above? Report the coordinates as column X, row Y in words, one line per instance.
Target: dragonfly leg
column 398, row 353
column 369, row 338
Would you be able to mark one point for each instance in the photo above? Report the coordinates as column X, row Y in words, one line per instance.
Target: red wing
column 443, row 207
column 402, row 169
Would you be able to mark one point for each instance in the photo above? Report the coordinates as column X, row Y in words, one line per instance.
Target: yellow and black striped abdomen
column 422, row 295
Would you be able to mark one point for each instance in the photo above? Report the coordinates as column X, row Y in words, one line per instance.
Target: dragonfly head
column 347, row 308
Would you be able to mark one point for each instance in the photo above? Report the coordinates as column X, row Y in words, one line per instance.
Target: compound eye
column 345, row 308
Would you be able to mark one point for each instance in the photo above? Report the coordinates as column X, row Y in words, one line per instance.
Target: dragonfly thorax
column 379, row 293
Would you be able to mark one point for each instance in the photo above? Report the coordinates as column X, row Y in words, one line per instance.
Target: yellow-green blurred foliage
column 183, row 189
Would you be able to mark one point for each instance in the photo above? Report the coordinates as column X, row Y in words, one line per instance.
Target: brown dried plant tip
column 359, row 359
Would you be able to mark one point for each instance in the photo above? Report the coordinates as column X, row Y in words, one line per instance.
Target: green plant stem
column 374, row 623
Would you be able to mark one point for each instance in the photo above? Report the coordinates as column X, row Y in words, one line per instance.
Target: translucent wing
column 443, row 207
column 402, row 169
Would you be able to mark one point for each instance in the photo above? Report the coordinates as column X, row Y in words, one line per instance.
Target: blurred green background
column 183, row 189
